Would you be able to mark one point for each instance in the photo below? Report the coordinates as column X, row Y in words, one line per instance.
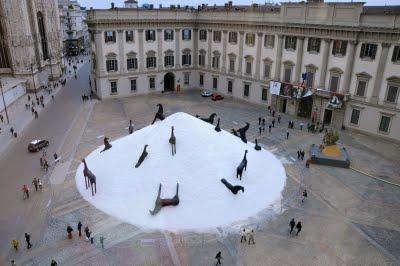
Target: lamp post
column 33, row 79
column 4, row 102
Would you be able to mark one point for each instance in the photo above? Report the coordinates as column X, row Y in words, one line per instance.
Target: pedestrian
column 287, row 134
column 302, row 153
column 218, row 257
column 260, row 129
column 28, row 240
column 301, row 126
column 13, row 263
column 87, row 233
column 308, row 163
column 269, row 108
column 102, row 241
column 29, row 98
column 251, row 237
column 33, row 111
column 273, row 113
column 55, row 156
column 290, row 123
column 25, row 190
column 35, row 183
column 298, row 227
column 53, row 263
column 292, row 224
column 26, row 106
column 41, row 162
column 259, row 121
column 69, row 231
column 273, row 122
column 33, row 103
column 304, row 196
column 279, row 119
column 36, row 114
column 1, row 118
column 298, row 155
column 263, row 124
column 80, row 228
column 269, row 128
column 12, row 131
column 14, row 244
column 42, row 105
column 243, row 237
column 15, row 134
column 37, row 101
column 45, row 165
column 40, row 184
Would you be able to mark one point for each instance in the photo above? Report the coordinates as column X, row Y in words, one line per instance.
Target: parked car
column 217, row 97
column 206, row 93
column 37, row 145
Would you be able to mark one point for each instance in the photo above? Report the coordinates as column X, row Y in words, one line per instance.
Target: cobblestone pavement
column 348, row 219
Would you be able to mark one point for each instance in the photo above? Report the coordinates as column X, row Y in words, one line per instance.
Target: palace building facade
column 336, row 63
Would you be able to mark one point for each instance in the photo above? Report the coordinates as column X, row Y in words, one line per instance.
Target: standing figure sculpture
column 130, row 128
column 172, row 141
column 165, row 202
column 233, row 189
column 142, row 157
column 217, row 128
column 159, row 114
column 107, row 144
column 257, row 147
column 89, row 177
column 241, row 132
column 210, row 119
column 242, row 165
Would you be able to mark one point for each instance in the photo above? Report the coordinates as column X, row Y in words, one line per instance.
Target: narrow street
column 18, row 166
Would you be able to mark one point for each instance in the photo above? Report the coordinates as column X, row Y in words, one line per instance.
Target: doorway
column 284, row 103
column 327, row 117
column 305, row 107
column 169, row 82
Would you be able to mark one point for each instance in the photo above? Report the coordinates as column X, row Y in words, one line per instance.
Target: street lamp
column 4, row 102
column 33, row 79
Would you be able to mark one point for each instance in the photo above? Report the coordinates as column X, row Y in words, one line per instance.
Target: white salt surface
column 203, row 157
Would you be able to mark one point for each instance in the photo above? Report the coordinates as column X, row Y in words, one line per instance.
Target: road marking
column 48, row 203
column 293, row 159
column 99, row 137
column 234, row 122
column 172, row 250
column 274, row 149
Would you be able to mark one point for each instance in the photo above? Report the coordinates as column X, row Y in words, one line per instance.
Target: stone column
column 209, row 41
column 258, row 55
column 141, row 52
column 120, row 41
column 100, row 63
column 240, row 61
column 278, row 64
column 299, row 59
column 324, row 64
column 379, row 73
column 348, row 72
column 195, row 47
column 159, row 49
column 177, row 48
column 224, row 44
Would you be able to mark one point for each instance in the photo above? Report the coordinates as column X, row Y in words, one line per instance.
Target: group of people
column 87, row 232
column 249, row 235
column 292, row 224
column 36, row 182
column 300, row 154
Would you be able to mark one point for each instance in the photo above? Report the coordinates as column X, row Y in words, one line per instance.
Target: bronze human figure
column 159, row 114
column 107, row 144
column 172, row 141
column 242, row 165
column 142, row 157
column 232, row 188
column 257, row 147
column 160, row 203
column 217, row 128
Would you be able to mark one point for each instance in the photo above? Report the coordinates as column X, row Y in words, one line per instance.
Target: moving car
column 206, row 93
column 37, row 145
column 217, row 97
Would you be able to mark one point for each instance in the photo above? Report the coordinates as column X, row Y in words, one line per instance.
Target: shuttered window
column 368, row 50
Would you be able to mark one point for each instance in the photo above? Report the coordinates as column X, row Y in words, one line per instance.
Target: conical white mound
column 203, row 157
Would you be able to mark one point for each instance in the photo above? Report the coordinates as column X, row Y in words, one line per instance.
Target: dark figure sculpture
column 107, row 144
column 233, row 189
column 130, row 128
column 172, row 141
column 241, row 132
column 89, row 177
column 208, row 120
column 217, row 128
column 243, row 164
column 142, row 157
column 165, row 202
column 257, row 147
column 159, row 114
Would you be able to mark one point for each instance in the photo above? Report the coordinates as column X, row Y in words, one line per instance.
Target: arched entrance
column 169, row 82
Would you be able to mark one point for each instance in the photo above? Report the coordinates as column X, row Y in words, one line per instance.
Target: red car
column 217, row 97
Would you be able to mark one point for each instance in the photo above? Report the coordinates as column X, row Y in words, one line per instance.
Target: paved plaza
column 349, row 217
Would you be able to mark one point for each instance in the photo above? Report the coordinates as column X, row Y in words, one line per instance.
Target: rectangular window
column 150, row 35
column 203, row 35
column 392, row 94
column 314, row 45
column 264, row 94
column 267, row 71
column 201, row 80
column 269, row 41
column 361, row 88
column 290, row 42
column 129, row 36
column 368, row 50
column 215, row 62
column 186, row 78
column 339, row 47
column 248, row 67
column 246, row 90
column 215, row 83
column 232, row 37
column 131, row 63
column 396, row 54
column 384, row 124
column 152, row 83
column 355, row 116
column 202, row 60
column 250, row 39
column 186, row 59
column 133, row 85
column 310, row 79
column 169, row 60
column 168, row 35
column 151, row 62
column 186, row 34
column 230, row 86
column 217, row 36
column 109, row 36
column 334, row 84
column 232, row 65
column 287, row 75
column 114, row 88
column 111, row 65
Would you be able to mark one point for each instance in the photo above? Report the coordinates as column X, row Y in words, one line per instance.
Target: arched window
column 42, row 32
column 4, row 56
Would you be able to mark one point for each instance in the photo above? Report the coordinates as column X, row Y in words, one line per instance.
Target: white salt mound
column 203, row 157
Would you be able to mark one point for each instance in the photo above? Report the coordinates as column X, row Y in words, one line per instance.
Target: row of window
column 150, row 35
column 392, row 92
column 384, row 123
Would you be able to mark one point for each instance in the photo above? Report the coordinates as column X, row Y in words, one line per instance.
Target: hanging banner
column 275, row 87
column 335, row 102
column 287, row 90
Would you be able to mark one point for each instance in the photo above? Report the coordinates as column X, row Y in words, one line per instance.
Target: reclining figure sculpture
column 142, row 157
column 233, row 189
column 257, row 147
column 107, row 144
column 217, row 128
column 210, row 119
column 160, row 203
column 241, row 132
column 159, row 114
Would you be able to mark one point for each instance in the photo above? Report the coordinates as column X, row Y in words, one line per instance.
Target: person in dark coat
column 53, row 263
column 298, row 154
column 304, row 195
column 292, row 224
column 302, row 153
column 259, row 121
column 269, row 128
column 69, row 231
column 308, row 163
column 80, row 228
column 273, row 113
column 298, row 227
column 12, row 131
column 287, row 134
column 218, row 257
column 28, row 240
column 273, row 122
column 263, row 124
column 35, row 183
column 279, row 119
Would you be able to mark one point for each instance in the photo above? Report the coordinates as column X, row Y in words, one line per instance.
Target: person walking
column 287, row 134
column 301, row 126
column 25, row 190
column 302, row 153
column 243, row 237
column 304, row 196
column 269, row 128
column 279, row 119
column 260, row 129
column 251, row 237
column 273, row 113
column 35, row 183
column 292, row 224
column 53, row 263
column 102, row 241
column 259, row 121
column 12, row 131
column 298, row 155
column 36, row 115
column 298, row 227
column 1, row 118
column 263, row 124
column 80, row 228
column 273, row 122
column 28, row 240
column 87, row 233
column 14, row 244
column 308, row 163
column 13, row 263
column 290, row 123
column 69, row 231
column 218, row 257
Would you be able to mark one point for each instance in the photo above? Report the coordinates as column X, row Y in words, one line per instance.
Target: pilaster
column 209, row 42
column 379, row 73
column 348, row 73
column 241, row 43
column 159, row 49
column 278, row 64
column 324, row 64
column 98, row 35
column 141, row 53
column 177, row 48
column 224, row 44
column 195, row 47
column 121, row 51
column 299, row 59
column 258, row 55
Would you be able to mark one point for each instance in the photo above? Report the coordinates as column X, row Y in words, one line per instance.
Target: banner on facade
column 275, row 87
column 287, row 90
column 335, row 102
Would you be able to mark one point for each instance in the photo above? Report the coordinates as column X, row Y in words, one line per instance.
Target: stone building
column 337, row 63
column 29, row 40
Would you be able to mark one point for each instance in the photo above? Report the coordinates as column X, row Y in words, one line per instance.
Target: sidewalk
column 20, row 117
